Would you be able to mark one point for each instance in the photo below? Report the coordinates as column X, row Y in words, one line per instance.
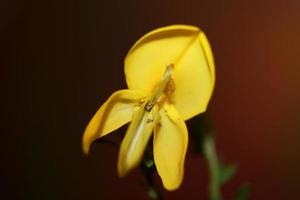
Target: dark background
column 60, row 60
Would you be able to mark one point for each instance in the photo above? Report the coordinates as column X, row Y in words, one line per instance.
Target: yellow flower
column 170, row 76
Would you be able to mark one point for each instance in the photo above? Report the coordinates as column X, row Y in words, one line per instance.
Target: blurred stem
column 213, row 165
column 148, row 169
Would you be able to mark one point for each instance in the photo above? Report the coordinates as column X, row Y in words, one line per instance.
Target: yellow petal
column 194, row 77
column 136, row 139
column 113, row 114
column 188, row 49
column 170, row 146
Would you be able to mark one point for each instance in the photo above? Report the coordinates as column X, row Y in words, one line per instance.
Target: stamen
column 163, row 85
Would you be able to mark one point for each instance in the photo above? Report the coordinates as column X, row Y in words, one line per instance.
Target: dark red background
column 60, row 60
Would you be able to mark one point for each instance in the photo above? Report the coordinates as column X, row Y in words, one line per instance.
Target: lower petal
column 136, row 139
column 170, row 146
column 113, row 114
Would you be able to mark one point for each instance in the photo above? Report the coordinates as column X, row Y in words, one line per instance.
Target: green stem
column 214, row 169
column 148, row 169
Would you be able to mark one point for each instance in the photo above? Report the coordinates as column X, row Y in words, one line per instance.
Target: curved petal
column 170, row 146
column 113, row 114
column 194, row 77
column 187, row 48
column 136, row 139
column 146, row 61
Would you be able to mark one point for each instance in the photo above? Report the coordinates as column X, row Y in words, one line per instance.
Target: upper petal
column 194, row 77
column 188, row 49
column 113, row 114
column 170, row 146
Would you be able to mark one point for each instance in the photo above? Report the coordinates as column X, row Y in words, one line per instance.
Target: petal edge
column 113, row 114
column 170, row 146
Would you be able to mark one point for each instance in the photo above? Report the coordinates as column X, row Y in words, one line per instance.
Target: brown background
column 60, row 59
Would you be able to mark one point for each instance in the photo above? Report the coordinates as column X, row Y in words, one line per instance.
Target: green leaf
column 243, row 193
column 226, row 173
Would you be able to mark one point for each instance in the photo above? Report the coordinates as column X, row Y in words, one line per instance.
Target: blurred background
column 61, row 59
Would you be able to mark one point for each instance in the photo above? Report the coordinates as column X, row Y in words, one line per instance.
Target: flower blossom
column 170, row 77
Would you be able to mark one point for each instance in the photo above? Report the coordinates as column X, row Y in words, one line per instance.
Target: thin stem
column 213, row 165
column 148, row 169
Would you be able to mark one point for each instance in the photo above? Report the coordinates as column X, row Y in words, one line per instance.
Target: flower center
column 166, row 87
